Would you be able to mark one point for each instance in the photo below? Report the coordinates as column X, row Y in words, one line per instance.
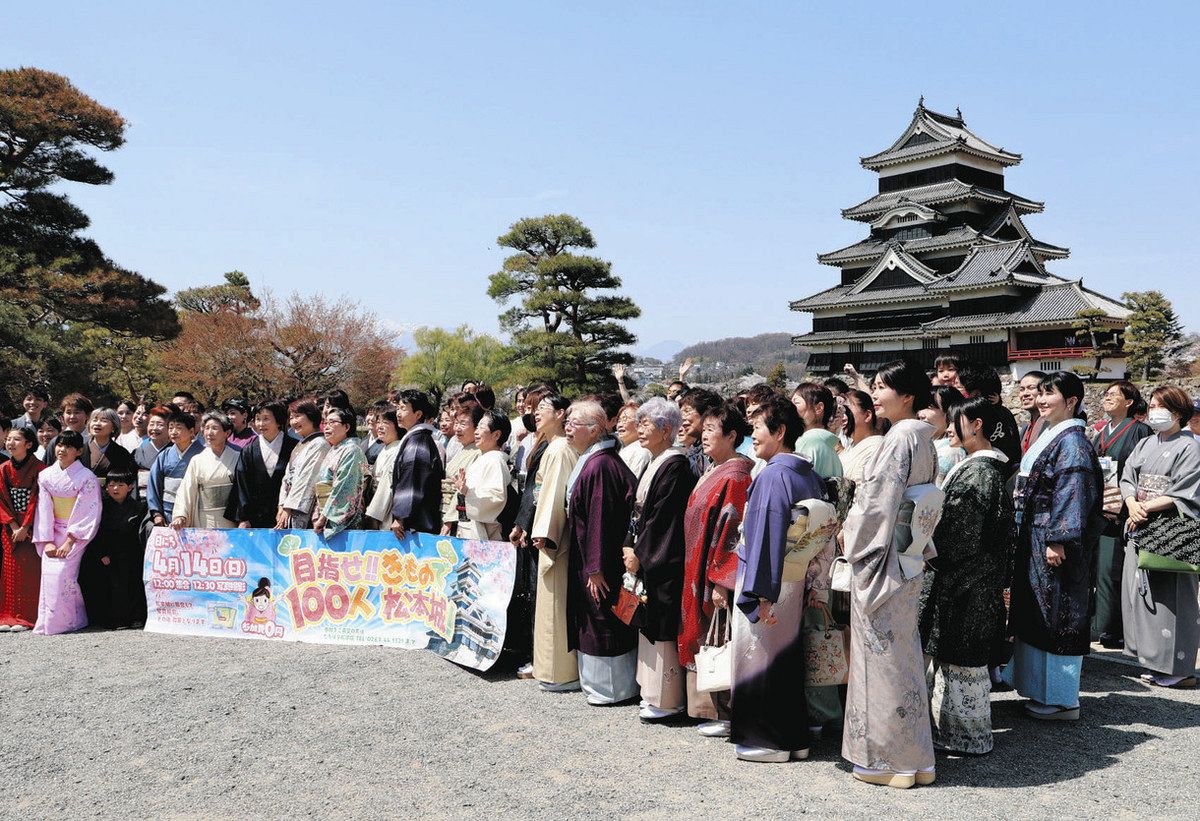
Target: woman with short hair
column 387, row 434
column 632, row 452
column 341, row 477
column 297, row 493
column 1059, row 520
column 208, row 481
column 483, row 486
column 104, row 454
column 1161, row 479
column 170, row 466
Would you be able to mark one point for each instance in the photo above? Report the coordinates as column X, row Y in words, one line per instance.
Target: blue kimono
column 166, row 474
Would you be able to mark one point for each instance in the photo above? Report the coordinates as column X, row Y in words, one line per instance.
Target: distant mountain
column 664, row 351
column 738, row 353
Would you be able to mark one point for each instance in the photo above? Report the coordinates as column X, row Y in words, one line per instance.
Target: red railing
column 1051, row 353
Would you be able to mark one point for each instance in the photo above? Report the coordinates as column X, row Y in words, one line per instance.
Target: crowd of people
column 646, row 531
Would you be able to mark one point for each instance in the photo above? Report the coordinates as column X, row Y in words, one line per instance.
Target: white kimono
column 487, row 490
column 205, row 489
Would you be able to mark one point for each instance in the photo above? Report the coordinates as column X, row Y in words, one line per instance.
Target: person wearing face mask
column 1059, row 520
column 1115, row 439
column 1159, row 609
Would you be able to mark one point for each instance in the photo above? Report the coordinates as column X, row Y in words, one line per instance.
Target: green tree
column 566, row 324
column 56, row 283
column 778, row 377
column 1155, row 334
column 1097, row 325
column 445, row 359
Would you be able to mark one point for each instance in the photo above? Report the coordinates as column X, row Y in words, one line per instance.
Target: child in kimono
column 112, row 584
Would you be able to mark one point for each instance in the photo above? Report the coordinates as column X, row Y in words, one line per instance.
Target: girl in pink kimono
column 67, row 518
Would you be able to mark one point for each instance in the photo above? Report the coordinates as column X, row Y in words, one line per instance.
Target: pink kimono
column 68, row 504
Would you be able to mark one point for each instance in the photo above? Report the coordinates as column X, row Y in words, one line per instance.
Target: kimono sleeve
column 1075, row 491
column 43, row 522
column 7, row 515
column 660, row 533
column 85, row 517
column 345, row 498
column 237, row 509
column 768, row 516
column 413, row 466
column 154, row 485
column 188, row 496
column 964, row 515
column 1185, row 481
column 486, row 496
column 381, row 499
column 550, row 516
column 722, row 565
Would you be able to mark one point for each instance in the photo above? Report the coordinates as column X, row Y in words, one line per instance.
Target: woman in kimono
column 945, row 400
column 258, row 478
column 145, row 453
column 297, row 494
column 484, row 485
column 555, row 664
column 769, row 715
column 387, row 434
column 710, row 531
column 962, row 605
column 1059, row 521
column 170, row 466
column 862, row 427
column 1162, row 478
column 104, row 454
column 632, row 452
column 657, row 557
column 466, row 418
column 67, row 518
column 20, row 567
column 887, row 731
column 816, row 406
column 1114, row 441
column 339, row 488
column 518, row 639
column 208, row 481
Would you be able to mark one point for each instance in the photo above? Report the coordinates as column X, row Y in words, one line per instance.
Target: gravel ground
column 135, row 724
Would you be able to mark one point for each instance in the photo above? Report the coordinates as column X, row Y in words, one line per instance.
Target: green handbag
column 1168, row 544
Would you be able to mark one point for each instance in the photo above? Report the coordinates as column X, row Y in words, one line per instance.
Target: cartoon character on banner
column 260, row 612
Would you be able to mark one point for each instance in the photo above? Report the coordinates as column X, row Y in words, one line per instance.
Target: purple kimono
column 598, row 513
column 68, row 504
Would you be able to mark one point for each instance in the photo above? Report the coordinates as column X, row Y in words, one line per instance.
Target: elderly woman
column 1162, row 478
column 204, row 493
column 254, row 501
column 632, row 452
column 340, row 479
column 710, row 563
column 887, row 732
column 104, row 454
column 67, row 518
column 297, row 493
column 656, row 556
column 1059, row 521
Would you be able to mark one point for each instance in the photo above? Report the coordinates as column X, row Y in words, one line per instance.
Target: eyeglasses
column 571, row 423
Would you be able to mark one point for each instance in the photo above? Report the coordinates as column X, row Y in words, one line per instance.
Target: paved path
column 134, row 724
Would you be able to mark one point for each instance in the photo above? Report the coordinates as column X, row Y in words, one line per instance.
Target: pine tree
column 1155, row 334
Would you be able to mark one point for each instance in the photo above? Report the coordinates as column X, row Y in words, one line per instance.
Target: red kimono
column 710, row 528
column 21, row 571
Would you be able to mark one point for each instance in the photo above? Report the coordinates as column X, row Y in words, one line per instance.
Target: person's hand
column 398, row 528
column 618, row 372
column 631, row 560
column 159, row 521
column 446, row 530
column 540, row 543
column 766, row 612
column 517, row 536
column 281, row 519
column 105, row 560
column 244, row 525
column 1056, row 554
column 597, row 586
column 178, row 522
column 841, row 541
column 21, row 534
column 50, row 549
column 1137, row 511
column 318, row 525
column 460, row 481
column 685, row 368
column 720, row 597
column 815, row 598
column 849, row 370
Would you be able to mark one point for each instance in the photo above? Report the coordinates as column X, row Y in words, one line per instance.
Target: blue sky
column 378, row 149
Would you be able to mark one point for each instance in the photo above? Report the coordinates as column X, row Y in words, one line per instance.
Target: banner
column 360, row 587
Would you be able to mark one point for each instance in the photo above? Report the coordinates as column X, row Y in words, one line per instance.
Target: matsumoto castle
column 950, row 266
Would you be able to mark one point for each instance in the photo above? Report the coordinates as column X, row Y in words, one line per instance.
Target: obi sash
column 214, row 496
column 64, row 506
column 171, row 489
column 322, row 490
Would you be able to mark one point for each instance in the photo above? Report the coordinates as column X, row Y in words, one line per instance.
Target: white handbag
column 839, row 575
column 714, row 662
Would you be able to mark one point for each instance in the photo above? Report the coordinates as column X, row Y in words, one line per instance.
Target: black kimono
column 518, row 639
column 417, row 481
column 113, row 593
column 255, row 494
column 659, row 544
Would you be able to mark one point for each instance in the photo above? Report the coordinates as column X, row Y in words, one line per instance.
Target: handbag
column 714, row 662
column 839, row 574
column 826, row 653
column 630, row 599
column 1168, row 544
